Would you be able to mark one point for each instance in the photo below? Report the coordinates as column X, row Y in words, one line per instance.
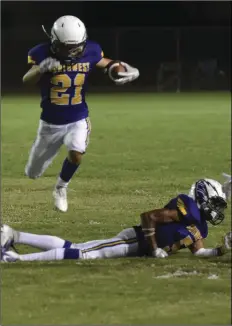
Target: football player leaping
column 182, row 223
column 61, row 68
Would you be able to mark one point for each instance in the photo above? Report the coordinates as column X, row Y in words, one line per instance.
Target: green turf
column 144, row 149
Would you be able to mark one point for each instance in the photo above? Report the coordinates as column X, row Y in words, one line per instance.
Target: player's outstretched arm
column 105, row 62
column 148, row 223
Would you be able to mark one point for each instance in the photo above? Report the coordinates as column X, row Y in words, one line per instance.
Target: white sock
column 61, row 183
column 45, row 242
column 54, row 254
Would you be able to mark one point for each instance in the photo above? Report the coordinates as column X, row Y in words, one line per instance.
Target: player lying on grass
column 182, row 223
column 61, row 68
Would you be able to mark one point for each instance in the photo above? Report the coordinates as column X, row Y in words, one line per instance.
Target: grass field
column 144, row 150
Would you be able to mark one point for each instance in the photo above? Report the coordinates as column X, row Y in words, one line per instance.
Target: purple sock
column 68, row 170
column 67, row 244
column 71, row 253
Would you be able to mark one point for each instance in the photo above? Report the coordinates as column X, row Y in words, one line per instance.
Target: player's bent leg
column 50, row 255
column 44, row 242
column 44, row 149
column 124, row 245
column 107, row 251
column 76, row 141
column 77, row 137
column 9, row 237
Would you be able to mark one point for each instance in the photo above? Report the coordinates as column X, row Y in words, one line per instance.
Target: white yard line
column 180, row 273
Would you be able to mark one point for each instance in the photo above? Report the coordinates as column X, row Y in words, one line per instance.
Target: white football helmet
column 210, row 199
column 68, row 37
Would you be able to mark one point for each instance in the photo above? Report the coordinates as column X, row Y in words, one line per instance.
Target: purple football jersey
column 180, row 234
column 63, row 90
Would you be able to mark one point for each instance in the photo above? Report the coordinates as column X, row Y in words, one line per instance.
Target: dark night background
column 176, row 45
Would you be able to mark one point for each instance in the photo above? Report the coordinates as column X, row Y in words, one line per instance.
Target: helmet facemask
column 214, row 210
column 211, row 204
column 67, row 51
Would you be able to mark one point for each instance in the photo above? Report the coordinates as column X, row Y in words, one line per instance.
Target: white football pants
column 75, row 136
column 124, row 244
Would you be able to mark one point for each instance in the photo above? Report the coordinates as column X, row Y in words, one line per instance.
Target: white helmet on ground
column 68, row 37
column 210, row 199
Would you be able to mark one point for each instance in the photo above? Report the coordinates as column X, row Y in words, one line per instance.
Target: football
column 114, row 69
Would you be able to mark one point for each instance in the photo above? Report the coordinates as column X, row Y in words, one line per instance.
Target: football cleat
column 7, row 237
column 227, row 185
column 60, row 196
column 227, row 241
column 9, row 256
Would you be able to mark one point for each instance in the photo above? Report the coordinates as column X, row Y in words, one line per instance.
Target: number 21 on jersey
column 62, row 83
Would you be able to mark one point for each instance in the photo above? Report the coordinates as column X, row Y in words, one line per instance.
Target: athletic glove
column 128, row 76
column 48, row 64
column 159, row 253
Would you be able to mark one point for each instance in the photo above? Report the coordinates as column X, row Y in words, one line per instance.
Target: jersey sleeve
column 97, row 53
column 33, row 57
column 188, row 235
column 36, row 54
column 188, row 212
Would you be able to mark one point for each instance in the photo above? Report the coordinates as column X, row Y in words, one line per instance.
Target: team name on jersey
column 78, row 67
